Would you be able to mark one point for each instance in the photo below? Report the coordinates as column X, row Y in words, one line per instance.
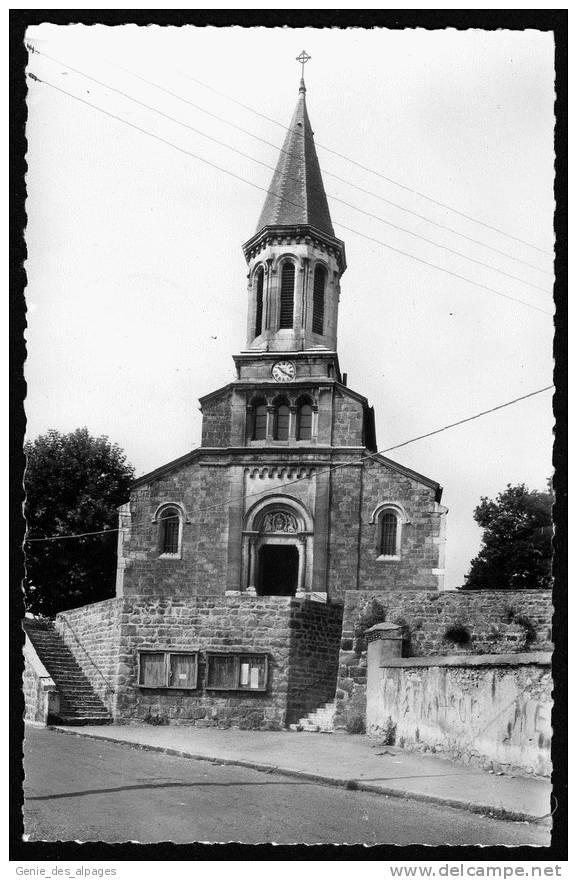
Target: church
column 235, row 561
column 286, row 495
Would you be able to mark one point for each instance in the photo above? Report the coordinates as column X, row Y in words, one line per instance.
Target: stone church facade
column 286, row 494
column 234, row 560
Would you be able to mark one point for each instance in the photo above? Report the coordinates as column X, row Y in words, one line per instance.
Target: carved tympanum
column 279, row 521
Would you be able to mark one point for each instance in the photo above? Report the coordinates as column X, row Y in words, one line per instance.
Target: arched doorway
column 277, row 548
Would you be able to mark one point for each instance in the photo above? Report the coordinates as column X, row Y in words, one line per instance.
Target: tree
column 74, row 484
column 516, row 551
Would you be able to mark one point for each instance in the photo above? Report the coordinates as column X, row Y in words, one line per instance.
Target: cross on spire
column 302, row 59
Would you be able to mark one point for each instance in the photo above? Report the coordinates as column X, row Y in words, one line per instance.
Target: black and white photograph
column 289, row 482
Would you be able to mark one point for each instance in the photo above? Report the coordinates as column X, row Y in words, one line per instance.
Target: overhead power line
column 325, row 172
column 355, row 461
column 282, row 198
column 371, row 170
column 290, row 177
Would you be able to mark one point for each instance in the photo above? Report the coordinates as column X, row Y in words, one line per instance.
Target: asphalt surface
column 81, row 789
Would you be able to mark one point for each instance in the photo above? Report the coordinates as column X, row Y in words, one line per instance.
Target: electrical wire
column 282, row 150
column 282, row 198
column 330, row 469
column 370, row 170
column 290, row 177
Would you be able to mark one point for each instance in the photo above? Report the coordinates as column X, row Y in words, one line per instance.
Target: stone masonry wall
column 496, row 715
column 216, row 421
column 356, row 491
column 92, row 633
column 496, row 621
column 422, row 537
column 203, row 491
column 347, row 421
column 313, row 656
column 199, row 623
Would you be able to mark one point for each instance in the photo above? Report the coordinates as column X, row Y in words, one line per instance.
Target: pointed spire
column 296, row 194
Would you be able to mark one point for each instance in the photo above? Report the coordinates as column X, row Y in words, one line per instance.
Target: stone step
column 79, row 704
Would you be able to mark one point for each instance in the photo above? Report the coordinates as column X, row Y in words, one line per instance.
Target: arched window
column 281, row 421
column 388, row 534
column 287, row 294
column 170, row 531
column 259, row 297
column 259, row 420
column 319, row 299
column 304, row 420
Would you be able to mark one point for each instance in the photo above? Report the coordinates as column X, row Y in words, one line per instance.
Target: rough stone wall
column 203, row 490
column 422, row 537
column 497, row 621
column 313, row 656
column 347, row 421
column 356, row 491
column 36, row 700
column 216, row 421
column 92, row 633
column 220, row 623
column 495, row 716
column 345, row 498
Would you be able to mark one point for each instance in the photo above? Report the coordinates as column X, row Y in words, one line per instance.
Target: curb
column 490, row 812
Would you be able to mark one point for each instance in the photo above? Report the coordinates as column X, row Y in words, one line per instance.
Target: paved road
column 81, row 789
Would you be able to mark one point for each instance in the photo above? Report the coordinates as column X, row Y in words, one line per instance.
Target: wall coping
column 37, row 665
column 533, row 658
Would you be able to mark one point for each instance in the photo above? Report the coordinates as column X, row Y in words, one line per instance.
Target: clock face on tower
column 283, row 371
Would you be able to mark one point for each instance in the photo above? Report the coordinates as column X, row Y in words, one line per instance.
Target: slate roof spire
column 296, row 194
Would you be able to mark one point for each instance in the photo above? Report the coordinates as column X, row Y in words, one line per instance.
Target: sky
column 136, row 289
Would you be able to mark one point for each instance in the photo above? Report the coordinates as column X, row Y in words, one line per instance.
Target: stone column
column 270, row 422
column 301, row 591
column 293, row 422
column 251, row 589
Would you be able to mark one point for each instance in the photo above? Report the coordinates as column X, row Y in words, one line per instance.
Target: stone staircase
column 319, row 721
column 78, row 702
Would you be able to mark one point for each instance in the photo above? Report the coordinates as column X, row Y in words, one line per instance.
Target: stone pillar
column 270, row 422
column 301, row 590
column 251, row 589
column 384, row 642
column 292, row 422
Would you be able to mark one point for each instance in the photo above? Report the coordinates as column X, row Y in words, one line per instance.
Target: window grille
column 259, row 425
column 259, row 294
column 305, row 422
column 388, row 543
column 169, row 531
column 236, row 672
column 282, row 419
column 287, row 295
column 319, row 299
column 168, row 669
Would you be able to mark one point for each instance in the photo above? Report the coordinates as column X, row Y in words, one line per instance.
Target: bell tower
column 295, row 262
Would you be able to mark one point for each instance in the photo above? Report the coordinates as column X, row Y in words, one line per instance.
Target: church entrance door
column 278, row 570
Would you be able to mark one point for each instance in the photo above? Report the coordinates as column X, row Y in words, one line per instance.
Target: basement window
column 176, row 670
column 236, row 672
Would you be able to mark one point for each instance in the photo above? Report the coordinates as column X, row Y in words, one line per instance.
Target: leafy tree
column 516, row 551
column 74, row 483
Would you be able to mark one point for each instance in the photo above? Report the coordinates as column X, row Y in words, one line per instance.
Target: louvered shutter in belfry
column 287, row 295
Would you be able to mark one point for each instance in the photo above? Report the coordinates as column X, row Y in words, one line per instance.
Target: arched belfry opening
column 277, row 548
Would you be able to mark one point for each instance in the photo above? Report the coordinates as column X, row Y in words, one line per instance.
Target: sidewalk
column 354, row 762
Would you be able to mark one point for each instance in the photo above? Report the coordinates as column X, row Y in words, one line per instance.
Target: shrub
column 356, row 724
column 155, row 719
column 458, row 634
column 530, row 631
column 390, row 736
column 373, row 614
